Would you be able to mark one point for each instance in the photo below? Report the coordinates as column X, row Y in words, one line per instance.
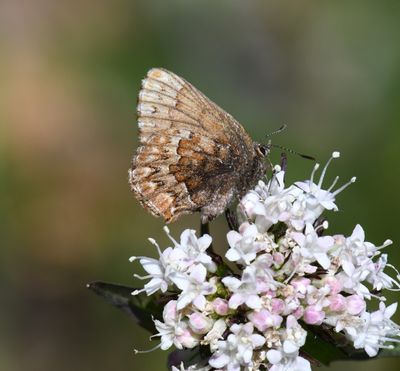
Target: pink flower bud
column 334, row 284
column 355, row 304
column 199, row 323
column 278, row 306
column 187, row 339
column 264, row 319
column 169, row 313
column 313, row 316
column 298, row 313
column 337, row 303
column 220, row 306
column 270, row 293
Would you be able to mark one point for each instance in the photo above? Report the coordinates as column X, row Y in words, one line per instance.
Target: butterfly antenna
column 282, row 128
column 293, row 152
column 269, row 145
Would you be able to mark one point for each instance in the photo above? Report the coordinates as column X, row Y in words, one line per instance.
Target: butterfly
column 193, row 156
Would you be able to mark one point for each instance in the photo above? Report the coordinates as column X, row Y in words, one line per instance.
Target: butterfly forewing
column 192, row 155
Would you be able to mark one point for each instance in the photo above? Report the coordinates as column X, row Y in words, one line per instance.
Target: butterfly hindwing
column 192, row 153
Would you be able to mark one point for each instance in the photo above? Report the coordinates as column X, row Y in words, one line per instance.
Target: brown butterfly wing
column 192, row 155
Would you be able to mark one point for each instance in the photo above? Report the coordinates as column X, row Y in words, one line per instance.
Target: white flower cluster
column 288, row 275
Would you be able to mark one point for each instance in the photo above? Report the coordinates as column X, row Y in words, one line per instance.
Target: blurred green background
column 70, row 73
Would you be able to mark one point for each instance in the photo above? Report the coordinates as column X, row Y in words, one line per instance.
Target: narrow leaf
column 318, row 350
column 141, row 307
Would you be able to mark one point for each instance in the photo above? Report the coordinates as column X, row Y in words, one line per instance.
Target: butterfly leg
column 283, row 161
column 204, row 228
column 231, row 219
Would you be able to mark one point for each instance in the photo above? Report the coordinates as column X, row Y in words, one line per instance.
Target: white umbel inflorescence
column 288, row 274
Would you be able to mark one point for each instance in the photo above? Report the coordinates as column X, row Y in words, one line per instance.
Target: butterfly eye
column 264, row 149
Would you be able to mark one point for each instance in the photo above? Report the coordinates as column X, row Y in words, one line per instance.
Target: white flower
column 160, row 271
column 375, row 330
column 195, row 249
column 253, row 202
column 173, row 331
column 287, row 273
column 317, row 296
column 286, row 360
column 275, row 204
column 297, row 264
column 173, row 260
column 341, row 321
column 257, row 278
column 314, row 200
column 190, row 368
column 215, row 334
column 244, row 290
column 294, row 332
column 351, row 278
column 244, row 245
column 378, row 278
column 159, row 280
column 296, row 205
column 238, row 348
column 175, row 334
column 194, row 287
column 261, row 271
column 313, row 247
column 287, row 357
column 356, row 250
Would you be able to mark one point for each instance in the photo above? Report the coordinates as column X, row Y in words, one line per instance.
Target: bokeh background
column 70, row 73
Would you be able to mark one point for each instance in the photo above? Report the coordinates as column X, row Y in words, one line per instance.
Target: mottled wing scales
column 185, row 156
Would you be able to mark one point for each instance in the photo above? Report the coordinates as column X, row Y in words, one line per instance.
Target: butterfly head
column 263, row 150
